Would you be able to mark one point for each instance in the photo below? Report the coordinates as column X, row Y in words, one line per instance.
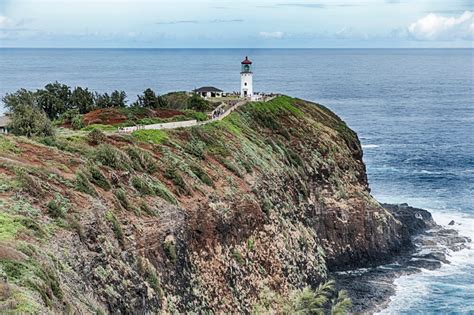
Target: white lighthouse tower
column 246, row 79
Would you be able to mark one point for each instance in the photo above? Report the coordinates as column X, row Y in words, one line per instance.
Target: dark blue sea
column 413, row 111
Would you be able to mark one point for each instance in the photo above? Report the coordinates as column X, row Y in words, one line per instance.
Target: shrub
column 196, row 148
column 96, row 137
column 170, row 251
column 77, row 122
column 238, row 257
column 178, row 181
column 146, row 209
column 230, row 166
column 164, row 193
column 142, row 160
column 116, row 227
column 56, row 209
column 198, row 103
column 83, row 184
column 31, row 122
column 141, row 185
column 112, row 157
column 201, row 174
column 97, row 178
column 154, row 281
column 122, row 198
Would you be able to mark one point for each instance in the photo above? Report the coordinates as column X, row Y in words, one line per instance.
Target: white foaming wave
column 369, row 146
column 413, row 288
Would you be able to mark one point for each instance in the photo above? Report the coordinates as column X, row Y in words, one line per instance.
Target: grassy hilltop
column 235, row 216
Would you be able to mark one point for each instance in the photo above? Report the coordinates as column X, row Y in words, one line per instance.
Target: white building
column 246, row 79
column 4, row 121
column 209, row 91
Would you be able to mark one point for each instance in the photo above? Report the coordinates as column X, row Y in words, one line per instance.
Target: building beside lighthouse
column 246, row 79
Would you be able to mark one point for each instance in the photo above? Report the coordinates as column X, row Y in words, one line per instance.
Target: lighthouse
column 246, row 75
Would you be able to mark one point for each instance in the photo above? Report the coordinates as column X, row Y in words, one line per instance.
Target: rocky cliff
column 205, row 219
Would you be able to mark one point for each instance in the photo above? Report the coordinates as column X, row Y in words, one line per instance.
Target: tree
column 54, row 99
column 103, row 100
column 82, row 100
column 198, row 103
column 118, row 98
column 150, row 100
column 27, row 118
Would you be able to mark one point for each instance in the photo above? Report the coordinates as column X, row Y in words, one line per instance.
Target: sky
column 237, row 24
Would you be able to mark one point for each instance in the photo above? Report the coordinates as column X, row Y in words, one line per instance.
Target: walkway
column 189, row 123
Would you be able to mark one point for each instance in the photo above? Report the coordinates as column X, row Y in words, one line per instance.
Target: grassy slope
column 62, row 195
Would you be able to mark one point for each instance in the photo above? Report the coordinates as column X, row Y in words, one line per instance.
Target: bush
column 198, row 103
column 201, row 174
column 178, row 181
column 141, row 185
column 196, row 148
column 97, row 178
column 238, row 257
column 122, row 198
column 144, row 207
column 84, row 185
column 164, row 193
column 77, row 122
column 142, row 160
column 116, row 227
column 170, row 251
column 58, row 207
column 31, row 122
column 96, row 137
column 112, row 157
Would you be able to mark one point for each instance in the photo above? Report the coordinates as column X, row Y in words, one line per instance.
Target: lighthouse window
column 245, row 83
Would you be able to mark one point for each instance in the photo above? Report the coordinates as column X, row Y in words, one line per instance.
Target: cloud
column 10, row 28
column 271, row 35
column 216, row 21
column 436, row 27
column 7, row 23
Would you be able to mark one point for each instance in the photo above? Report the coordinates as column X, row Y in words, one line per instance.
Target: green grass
column 9, row 227
column 7, row 146
column 116, row 227
column 170, row 251
column 99, row 127
column 150, row 136
column 111, row 156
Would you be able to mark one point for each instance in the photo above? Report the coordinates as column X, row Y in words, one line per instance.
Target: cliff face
column 207, row 218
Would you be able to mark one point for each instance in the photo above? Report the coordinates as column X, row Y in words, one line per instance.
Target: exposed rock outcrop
column 203, row 219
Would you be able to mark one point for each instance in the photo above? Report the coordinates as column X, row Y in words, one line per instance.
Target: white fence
column 170, row 125
column 191, row 123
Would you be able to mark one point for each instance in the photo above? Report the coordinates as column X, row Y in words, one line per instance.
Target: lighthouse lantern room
column 246, row 86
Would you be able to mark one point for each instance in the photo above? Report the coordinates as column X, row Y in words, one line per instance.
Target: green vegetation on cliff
column 231, row 216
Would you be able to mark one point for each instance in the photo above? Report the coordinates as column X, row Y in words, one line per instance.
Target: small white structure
column 4, row 121
column 246, row 79
column 209, row 91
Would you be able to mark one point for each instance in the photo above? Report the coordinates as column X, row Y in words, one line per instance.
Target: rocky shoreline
column 425, row 245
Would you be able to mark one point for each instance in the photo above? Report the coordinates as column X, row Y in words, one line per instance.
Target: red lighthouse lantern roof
column 246, row 61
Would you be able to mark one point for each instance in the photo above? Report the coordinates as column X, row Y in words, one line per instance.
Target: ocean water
column 413, row 111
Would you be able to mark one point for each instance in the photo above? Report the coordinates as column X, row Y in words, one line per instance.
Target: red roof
column 246, row 61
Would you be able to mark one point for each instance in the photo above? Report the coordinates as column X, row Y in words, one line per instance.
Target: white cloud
column 6, row 23
column 275, row 35
column 436, row 27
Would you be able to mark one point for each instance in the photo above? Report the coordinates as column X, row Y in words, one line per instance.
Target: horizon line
column 222, row 48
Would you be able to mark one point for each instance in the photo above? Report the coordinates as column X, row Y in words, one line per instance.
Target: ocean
column 412, row 108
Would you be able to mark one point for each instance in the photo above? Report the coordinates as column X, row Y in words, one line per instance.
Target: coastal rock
column 210, row 219
column 426, row 246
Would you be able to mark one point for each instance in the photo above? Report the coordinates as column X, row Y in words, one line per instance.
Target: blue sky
column 230, row 23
